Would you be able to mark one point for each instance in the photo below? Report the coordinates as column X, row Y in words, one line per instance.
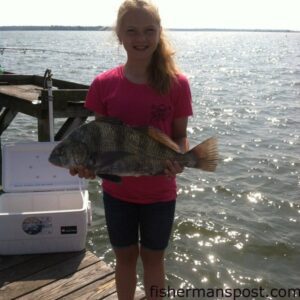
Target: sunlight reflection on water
column 238, row 227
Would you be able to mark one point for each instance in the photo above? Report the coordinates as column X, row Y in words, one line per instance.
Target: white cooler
column 44, row 209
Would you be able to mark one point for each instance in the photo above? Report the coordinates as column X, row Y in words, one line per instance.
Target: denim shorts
column 127, row 223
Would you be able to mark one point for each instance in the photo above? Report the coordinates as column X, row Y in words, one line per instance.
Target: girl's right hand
column 82, row 172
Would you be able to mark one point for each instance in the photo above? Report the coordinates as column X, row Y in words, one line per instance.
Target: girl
column 147, row 90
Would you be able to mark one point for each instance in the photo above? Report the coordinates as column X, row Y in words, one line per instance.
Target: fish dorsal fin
column 154, row 133
column 162, row 138
column 110, row 120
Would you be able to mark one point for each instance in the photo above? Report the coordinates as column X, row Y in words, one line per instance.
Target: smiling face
column 139, row 33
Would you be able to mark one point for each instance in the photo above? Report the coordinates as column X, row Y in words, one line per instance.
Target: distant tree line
column 104, row 28
column 55, row 28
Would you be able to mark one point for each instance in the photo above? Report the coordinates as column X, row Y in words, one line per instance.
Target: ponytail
column 162, row 70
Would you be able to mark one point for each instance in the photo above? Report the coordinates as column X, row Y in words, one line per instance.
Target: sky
column 238, row 14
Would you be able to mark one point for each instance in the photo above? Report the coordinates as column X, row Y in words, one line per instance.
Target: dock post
column 0, row 164
column 43, row 129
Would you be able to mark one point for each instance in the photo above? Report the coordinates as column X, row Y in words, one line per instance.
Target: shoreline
column 107, row 28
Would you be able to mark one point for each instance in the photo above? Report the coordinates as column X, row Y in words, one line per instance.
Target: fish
column 113, row 150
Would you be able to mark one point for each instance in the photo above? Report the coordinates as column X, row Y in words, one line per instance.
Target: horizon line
column 103, row 28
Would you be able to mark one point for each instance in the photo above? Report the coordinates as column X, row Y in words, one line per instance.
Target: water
column 238, row 227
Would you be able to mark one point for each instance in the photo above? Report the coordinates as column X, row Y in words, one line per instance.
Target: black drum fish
column 112, row 150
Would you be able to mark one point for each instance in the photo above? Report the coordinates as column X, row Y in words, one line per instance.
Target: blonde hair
column 162, row 69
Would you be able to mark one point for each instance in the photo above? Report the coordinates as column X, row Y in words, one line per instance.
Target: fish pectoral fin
column 109, row 158
column 113, row 178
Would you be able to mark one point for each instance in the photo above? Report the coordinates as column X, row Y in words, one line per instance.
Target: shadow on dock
column 74, row 275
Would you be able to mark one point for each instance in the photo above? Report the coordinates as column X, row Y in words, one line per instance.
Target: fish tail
column 204, row 156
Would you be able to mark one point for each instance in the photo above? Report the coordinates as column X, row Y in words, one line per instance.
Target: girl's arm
column 179, row 136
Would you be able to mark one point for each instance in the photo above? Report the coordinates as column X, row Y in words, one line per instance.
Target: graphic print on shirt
column 160, row 112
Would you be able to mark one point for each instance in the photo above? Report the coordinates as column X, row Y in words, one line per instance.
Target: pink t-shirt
column 112, row 94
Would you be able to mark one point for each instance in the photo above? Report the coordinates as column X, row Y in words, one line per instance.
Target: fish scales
column 132, row 141
column 136, row 140
column 108, row 139
column 154, row 150
column 107, row 146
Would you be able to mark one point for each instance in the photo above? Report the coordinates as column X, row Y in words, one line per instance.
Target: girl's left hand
column 173, row 168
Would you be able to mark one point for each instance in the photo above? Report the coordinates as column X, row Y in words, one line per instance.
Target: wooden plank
column 96, row 290
column 70, row 95
column 20, row 105
column 35, row 264
column 43, row 129
column 62, row 97
column 47, row 276
column 13, row 260
column 39, row 81
column 101, row 290
column 61, row 84
column 72, row 108
column 26, row 92
column 69, row 284
column 16, row 79
column 6, row 117
column 112, row 296
column 139, row 295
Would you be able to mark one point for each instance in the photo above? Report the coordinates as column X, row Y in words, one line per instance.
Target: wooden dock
column 68, row 276
column 76, row 275
column 28, row 94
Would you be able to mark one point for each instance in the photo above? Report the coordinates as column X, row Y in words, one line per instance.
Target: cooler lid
column 25, row 168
